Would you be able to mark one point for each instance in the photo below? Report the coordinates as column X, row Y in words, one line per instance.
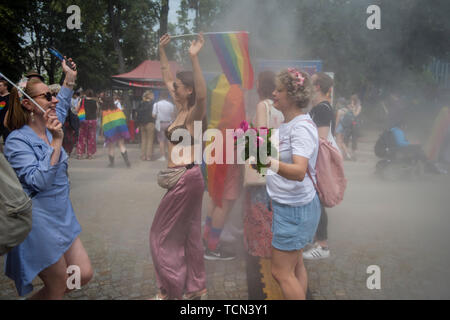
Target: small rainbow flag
column 114, row 125
column 82, row 112
column 2, row 105
column 232, row 51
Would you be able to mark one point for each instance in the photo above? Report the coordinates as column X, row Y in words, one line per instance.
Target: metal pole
column 17, row 87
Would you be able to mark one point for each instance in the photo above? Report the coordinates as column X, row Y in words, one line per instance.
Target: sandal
column 196, row 296
column 159, row 297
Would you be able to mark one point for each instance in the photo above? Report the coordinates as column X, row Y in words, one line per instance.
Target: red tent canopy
column 146, row 75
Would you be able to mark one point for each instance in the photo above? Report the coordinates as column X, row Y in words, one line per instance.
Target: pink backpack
column 331, row 182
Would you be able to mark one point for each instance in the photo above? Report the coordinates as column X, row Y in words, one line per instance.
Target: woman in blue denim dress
column 34, row 150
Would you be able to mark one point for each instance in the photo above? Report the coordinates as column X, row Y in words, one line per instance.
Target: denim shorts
column 294, row 227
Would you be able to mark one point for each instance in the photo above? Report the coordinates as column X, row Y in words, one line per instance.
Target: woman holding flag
column 34, row 150
column 175, row 234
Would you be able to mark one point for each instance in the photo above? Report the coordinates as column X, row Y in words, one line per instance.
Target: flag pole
column 18, row 88
column 206, row 33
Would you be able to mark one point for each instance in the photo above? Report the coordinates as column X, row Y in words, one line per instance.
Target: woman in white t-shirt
column 296, row 206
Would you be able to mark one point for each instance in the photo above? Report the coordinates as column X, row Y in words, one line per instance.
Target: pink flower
column 244, row 125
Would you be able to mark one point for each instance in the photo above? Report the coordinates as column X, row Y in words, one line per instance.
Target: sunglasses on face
column 47, row 95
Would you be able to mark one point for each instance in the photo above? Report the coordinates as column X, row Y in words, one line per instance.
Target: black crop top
column 171, row 131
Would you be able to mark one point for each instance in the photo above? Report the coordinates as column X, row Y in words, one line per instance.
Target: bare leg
column 300, row 273
column 284, row 265
column 220, row 215
column 54, row 278
column 122, row 147
column 78, row 256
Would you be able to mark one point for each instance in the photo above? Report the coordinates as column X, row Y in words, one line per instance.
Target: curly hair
column 298, row 86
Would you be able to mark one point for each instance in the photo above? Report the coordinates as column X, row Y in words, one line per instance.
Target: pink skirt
column 175, row 237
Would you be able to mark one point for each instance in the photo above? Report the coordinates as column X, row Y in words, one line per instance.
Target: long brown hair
column 18, row 115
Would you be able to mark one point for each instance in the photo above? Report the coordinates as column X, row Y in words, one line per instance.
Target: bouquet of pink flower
column 257, row 145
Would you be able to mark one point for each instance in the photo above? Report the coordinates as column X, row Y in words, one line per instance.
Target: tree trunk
column 114, row 22
column 163, row 17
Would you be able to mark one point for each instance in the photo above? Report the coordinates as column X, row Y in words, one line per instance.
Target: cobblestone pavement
column 402, row 227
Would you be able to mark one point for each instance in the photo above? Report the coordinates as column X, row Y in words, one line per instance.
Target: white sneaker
column 316, row 253
column 163, row 158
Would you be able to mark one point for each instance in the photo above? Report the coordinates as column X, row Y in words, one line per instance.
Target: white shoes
column 317, row 252
column 163, row 158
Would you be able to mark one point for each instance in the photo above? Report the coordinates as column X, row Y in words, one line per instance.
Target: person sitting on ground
column 411, row 151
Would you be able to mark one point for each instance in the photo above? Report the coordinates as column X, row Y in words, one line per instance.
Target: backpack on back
column 15, row 209
column 331, row 181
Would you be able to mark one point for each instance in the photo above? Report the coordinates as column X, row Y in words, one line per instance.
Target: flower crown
column 298, row 78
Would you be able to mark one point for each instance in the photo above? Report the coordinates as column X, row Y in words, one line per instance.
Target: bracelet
column 163, row 68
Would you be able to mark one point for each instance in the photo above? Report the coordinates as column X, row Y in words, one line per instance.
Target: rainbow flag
column 232, row 51
column 82, row 112
column 114, row 125
column 226, row 110
column 2, row 105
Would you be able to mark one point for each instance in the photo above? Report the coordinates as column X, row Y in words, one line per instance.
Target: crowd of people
column 284, row 219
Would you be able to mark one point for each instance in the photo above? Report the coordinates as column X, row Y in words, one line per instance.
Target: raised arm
column 65, row 94
column 199, row 82
column 165, row 67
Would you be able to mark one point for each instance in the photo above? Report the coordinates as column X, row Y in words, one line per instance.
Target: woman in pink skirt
column 175, row 234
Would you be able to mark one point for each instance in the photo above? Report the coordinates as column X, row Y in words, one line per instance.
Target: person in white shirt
column 295, row 204
column 117, row 102
column 164, row 113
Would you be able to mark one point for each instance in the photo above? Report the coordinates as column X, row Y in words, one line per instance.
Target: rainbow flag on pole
column 114, row 125
column 232, row 51
column 82, row 112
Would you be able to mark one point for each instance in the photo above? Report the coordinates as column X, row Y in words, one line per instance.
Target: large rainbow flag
column 226, row 110
column 233, row 54
column 114, row 125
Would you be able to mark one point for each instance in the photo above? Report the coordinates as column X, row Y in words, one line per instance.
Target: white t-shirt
column 118, row 105
column 301, row 138
column 164, row 110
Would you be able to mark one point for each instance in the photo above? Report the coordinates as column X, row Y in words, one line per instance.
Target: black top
column 170, row 132
column 4, row 105
column 323, row 114
column 144, row 113
column 90, row 107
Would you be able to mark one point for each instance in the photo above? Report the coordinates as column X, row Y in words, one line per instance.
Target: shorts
column 233, row 182
column 294, row 227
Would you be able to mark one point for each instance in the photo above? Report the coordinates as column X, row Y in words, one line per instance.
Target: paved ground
column 402, row 227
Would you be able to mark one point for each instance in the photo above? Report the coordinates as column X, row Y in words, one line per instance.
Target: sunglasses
column 47, row 95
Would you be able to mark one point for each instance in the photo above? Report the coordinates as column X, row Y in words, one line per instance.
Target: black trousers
column 322, row 228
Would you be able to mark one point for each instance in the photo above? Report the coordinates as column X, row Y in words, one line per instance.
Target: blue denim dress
column 55, row 226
